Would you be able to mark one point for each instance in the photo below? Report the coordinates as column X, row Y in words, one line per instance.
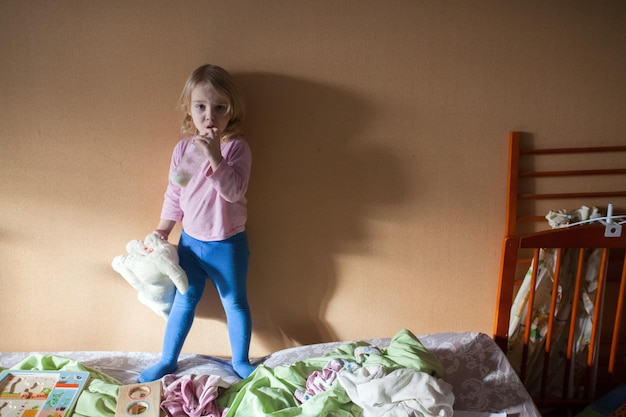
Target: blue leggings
column 225, row 263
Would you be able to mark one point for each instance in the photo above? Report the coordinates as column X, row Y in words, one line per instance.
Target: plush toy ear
column 175, row 272
column 154, row 241
column 136, row 246
column 119, row 266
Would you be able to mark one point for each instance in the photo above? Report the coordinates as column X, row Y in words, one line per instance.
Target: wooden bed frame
column 601, row 170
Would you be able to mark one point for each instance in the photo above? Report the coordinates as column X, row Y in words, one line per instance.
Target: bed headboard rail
column 523, row 171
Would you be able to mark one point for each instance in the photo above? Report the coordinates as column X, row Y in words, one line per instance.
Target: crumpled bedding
column 270, row 392
column 400, row 393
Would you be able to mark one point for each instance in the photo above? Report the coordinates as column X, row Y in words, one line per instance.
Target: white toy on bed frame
column 151, row 267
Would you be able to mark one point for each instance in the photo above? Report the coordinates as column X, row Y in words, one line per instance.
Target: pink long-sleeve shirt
column 213, row 204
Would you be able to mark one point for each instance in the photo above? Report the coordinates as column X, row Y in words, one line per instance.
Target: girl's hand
column 211, row 145
column 163, row 235
column 164, row 228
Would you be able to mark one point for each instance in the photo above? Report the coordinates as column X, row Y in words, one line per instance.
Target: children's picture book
column 31, row 393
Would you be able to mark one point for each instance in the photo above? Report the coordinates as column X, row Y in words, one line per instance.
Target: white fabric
column 401, row 393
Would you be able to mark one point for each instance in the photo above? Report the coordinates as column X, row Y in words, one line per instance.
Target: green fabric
column 270, row 392
column 99, row 398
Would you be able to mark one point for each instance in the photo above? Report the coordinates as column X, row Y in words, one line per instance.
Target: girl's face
column 209, row 109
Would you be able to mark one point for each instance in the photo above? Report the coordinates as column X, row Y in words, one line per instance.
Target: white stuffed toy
column 152, row 268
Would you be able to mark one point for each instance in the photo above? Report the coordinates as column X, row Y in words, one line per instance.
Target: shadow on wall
column 316, row 173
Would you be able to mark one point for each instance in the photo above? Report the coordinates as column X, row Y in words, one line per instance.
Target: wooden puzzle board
column 39, row 393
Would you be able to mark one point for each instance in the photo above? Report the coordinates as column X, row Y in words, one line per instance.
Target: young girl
column 212, row 208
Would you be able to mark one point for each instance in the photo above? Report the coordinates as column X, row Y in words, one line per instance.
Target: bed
column 559, row 312
column 473, row 374
column 481, row 378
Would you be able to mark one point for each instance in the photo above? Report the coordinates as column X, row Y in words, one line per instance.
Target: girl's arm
column 230, row 178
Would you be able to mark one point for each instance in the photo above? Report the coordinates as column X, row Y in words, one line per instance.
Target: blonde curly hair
column 220, row 80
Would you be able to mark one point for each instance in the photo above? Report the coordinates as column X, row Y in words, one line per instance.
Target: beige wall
column 379, row 132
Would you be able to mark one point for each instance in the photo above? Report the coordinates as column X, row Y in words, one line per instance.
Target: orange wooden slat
column 570, row 173
column 551, row 317
column 513, row 183
column 557, row 196
column 508, row 266
column 618, row 320
column 588, row 149
column 529, row 314
column 591, row 236
column 569, row 354
column 596, row 325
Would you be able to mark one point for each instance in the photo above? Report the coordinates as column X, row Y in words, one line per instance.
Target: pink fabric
column 320, row 381
column 192, row 395
column 219, row 195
